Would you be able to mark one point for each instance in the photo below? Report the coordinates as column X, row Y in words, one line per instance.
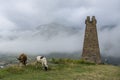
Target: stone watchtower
column 91, row 51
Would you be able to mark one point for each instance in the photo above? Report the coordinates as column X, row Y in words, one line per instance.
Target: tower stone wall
column 91, row 51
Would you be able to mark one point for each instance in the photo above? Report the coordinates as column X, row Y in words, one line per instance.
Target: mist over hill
column 41, row 39
column 55, row 29
column 62, row 40
column 58, row 39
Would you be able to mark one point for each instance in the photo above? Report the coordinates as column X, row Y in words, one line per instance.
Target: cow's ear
column 18, row 58
column 41, row 57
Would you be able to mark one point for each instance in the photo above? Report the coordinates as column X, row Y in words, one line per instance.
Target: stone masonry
column 91, row 51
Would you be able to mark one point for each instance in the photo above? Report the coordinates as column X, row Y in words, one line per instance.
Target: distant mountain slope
column 55, row 29
column 45, row 31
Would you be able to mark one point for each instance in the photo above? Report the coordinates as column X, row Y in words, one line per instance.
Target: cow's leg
column 42, row 64
column 36, row 63
column 20, row 64
column 45, row 68
column 24, row 63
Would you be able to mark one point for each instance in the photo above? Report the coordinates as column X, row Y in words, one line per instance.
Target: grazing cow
column 43, row 60
column 23, row 59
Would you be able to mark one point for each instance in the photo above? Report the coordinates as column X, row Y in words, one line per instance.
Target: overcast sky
column 17, row 17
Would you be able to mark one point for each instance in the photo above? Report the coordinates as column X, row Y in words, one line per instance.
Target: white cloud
column 5, row 24
column 17, row 17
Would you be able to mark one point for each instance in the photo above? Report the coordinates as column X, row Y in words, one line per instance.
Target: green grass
column 64, row 69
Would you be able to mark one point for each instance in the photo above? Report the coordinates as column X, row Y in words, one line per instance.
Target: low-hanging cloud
column 19, row 18
column 39, row 44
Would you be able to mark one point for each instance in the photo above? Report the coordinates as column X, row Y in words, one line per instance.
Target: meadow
column 62, row 69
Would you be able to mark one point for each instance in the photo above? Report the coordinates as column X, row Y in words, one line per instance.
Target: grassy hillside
column 62, row 69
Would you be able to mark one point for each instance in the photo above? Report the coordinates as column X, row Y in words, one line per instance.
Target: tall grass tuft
column 69, row 61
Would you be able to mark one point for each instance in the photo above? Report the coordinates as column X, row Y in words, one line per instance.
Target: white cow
column 43, row 60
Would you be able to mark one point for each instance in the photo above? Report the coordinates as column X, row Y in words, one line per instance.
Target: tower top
column 93, row 21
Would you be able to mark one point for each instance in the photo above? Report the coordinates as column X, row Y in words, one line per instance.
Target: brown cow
column 23, row 59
